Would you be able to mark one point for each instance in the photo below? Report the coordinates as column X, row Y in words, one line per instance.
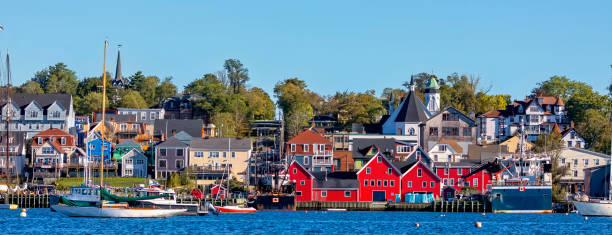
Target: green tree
column 595, row 129
column 351, row 107
column 132, row 99
column 237, row 74
column 31, row 87
column 146, row 86
column 89, row 103
column 561, row 86
column 548, row 142
column 260, row 106
column 164, row 90
column 292, row 99
column 57, row 79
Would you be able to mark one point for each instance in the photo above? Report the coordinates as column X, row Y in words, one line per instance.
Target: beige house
column 208, row 159
column 577, row 160
column 514, row 144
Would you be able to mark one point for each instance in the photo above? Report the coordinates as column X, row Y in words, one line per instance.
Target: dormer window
column 63, row 141
column 33, row 114
column 55, row 114
column 39, row 140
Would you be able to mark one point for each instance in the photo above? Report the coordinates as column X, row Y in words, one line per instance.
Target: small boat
column 594, row 208
column 118, row 210
column 336, row 209
column 235, row 209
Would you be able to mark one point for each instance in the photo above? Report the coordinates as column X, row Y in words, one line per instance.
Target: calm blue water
column 42, row 221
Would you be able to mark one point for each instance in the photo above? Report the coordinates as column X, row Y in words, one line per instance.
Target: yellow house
column 208, row 159
column 513, row 144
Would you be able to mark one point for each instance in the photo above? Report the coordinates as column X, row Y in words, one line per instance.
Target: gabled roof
column 453, row 144
column 52, row 132
column 569, row 130
column 56, row 146
column 336, row 183
column 411, row 110
column 383, row 159
column 44, row 100
column 221, row 144
column 363, row 146
column 172, row 142
column 407, row 166
column 303, row 168
column 455, row 111
column 167, row 126
column 307, row 137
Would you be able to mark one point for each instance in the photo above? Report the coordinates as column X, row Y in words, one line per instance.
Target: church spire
column 118, row 81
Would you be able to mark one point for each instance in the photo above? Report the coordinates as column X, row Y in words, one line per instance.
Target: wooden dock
column 435, row 206
column 28, row 200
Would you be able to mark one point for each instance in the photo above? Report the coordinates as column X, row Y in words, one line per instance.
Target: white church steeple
column 432, row 96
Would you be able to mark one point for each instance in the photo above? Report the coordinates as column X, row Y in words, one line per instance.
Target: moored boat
column 235, row 209
column 594, row 208
column 115, row 211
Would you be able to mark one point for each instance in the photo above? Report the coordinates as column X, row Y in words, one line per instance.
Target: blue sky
column 332, row 45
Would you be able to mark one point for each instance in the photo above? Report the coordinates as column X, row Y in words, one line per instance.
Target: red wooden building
column 379, row 180
column 418, row 178
column 322, row 186
column 451, row 173
column 217, row 191
column 311, row 150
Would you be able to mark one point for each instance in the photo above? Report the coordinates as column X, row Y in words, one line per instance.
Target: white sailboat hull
column 75, row 211
column 601, row 208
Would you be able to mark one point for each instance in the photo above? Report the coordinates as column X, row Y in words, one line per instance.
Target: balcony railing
column 324, row 153
column 208, row 170
column 112, row 165
column 47, row 165
column 322, row 161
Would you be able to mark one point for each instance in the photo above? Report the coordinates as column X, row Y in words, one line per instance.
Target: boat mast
column 8, row 116
column 103, row 124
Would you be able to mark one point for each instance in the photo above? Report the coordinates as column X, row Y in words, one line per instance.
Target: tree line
column 229, row 103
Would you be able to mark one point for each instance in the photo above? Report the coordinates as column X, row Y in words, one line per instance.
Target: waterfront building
column 572, row 139
column 171, row 156
column 49, row 149
column 95, row 151
column 218, row 191
column 311, row 150
column 417, row 178
column 343, row 161
column 17, row 152
column 451, row 174
column 408, row 119
column 322, row 186
column 364, row 149
column 134, row 164
column 577, row 160
column 538, row 114
column 379, row 180
column 208, row 158
column 33, row 113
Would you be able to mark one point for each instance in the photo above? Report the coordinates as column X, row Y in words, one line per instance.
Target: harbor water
column 43, row 221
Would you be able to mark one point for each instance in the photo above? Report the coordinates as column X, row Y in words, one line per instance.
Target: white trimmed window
column 475, row 182
column 445, row 171
column 298, row 193
column 409, row 184
column 424, row 184
column 294, row 171
column 432, row 184
column 347, row 193
column 365, row 183
column 392, row 183
column 368, row 170
column 389, row 170
column 293, row 148
column 323, row 193
column 302, row 182
column 306, row 148
column 419, row 172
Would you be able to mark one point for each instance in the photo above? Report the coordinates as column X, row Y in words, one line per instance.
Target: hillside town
column 416, row 151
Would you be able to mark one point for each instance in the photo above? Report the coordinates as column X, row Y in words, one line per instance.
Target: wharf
column 27, row 200
column 435, row 206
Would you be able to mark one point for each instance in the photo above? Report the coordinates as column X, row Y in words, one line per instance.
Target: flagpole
column 103, row 124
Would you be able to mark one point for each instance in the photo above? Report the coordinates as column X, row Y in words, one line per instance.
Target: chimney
column 173, row 132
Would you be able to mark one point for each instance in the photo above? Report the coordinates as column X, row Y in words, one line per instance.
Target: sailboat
column 228, row 208
column 111, row 205
column 8, row 120
column 596, row 207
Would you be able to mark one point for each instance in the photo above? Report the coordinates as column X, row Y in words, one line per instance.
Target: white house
column 33, row 113
column 134, row 164
column 572, row 138
column 444, row 153
column 408, row 118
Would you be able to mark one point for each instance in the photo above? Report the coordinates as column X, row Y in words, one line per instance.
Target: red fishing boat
column 235, row 209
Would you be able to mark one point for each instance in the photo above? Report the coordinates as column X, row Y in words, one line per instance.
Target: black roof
column 361, row 146
column 192, row 127
column 335, row 180
column 44, row 100
column 411, row 110
column 404, row 166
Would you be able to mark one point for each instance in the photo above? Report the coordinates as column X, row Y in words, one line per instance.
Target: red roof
column 550, row 100
column 52, row 132
column 492, row 114
column 57, row 147
column 309, row 136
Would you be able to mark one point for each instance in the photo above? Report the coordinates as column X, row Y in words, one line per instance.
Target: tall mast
column 103, row 125
column 8, row 116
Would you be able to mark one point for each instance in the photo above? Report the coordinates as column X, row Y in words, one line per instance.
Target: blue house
column 81, row 124
column 94, row 150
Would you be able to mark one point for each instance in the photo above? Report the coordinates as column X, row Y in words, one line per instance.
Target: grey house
column 134, row 164
column 33, row 113
column 170, row 156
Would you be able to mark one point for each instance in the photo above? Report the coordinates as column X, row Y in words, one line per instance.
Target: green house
column 124, row 147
